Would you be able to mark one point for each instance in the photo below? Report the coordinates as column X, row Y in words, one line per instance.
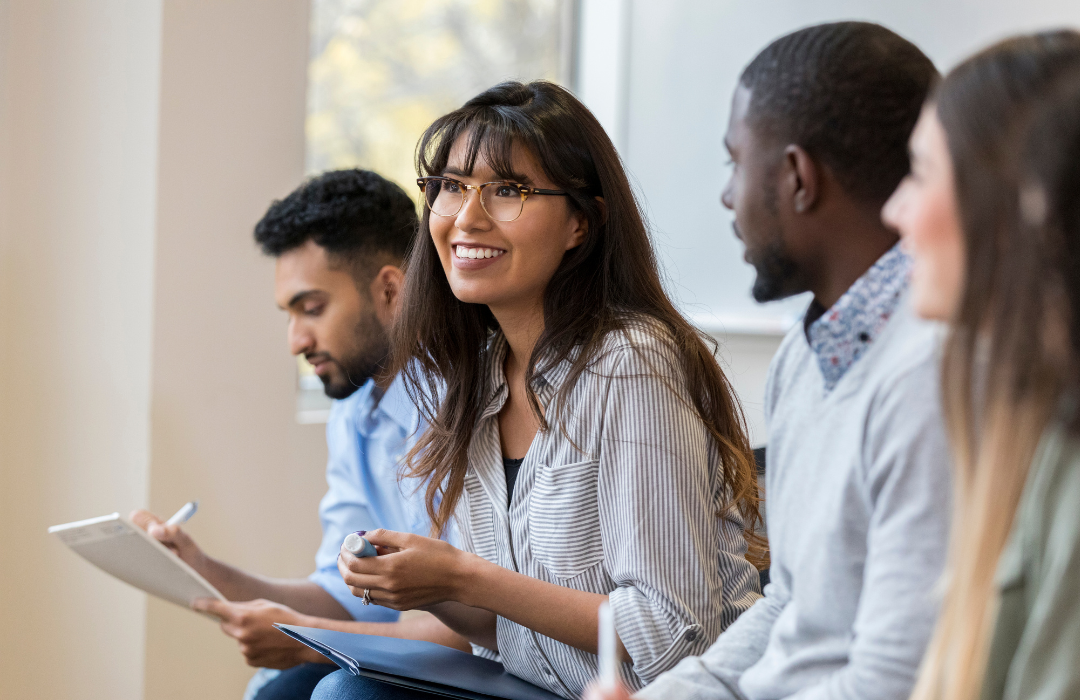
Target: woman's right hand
column 172, row 536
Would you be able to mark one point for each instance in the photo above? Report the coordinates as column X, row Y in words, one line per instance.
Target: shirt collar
column 397, row 405
column 368, row 407
column 545, row 383
column 842, row 334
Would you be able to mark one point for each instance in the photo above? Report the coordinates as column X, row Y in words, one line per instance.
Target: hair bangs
column 490, row 134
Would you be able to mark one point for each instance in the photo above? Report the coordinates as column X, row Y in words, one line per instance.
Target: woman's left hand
column 411, row 572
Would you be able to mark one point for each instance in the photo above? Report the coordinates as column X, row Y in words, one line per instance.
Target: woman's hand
column 468, row 592
column 411, row 572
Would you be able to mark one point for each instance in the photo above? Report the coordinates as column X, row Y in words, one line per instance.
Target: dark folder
column 424, row 666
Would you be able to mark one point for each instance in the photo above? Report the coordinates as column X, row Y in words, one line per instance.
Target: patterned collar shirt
column 619, row 497
column 840, row 335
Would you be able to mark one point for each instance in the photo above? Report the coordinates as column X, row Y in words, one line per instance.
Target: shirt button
column 690, row 635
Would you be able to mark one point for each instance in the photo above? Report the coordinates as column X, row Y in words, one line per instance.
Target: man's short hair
column 353, row 214
column 847, row 92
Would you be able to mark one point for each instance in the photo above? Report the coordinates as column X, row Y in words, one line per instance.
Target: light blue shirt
column 367, row 438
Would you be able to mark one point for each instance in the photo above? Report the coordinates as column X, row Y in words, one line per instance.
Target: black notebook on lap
column 424, row 666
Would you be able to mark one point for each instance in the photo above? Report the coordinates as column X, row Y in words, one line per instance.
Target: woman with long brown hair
column 995, row 233
column 584, row 438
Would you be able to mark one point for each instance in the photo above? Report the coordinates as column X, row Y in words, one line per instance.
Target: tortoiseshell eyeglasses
column 502, row 201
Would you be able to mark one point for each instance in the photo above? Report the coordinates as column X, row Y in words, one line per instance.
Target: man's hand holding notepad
column 121, row 548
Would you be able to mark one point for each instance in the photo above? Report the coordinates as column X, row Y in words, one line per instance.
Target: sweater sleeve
column 715, row 674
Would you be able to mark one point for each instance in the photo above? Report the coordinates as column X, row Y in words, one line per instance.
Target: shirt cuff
column 654, row 646
column 332, row 583
column 691, row 679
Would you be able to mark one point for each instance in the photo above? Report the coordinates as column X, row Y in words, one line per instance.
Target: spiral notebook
column 421, row 665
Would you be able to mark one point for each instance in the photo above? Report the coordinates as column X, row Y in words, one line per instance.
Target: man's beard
column 777, row 273
column 371, row 350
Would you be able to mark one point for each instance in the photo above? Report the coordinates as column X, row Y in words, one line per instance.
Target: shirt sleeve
column 715, row 674
column 1045, row 664
column 658, row 485
column 908, row 487
column 342, row 510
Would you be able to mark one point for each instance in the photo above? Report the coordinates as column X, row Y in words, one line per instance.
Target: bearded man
column 340, row 241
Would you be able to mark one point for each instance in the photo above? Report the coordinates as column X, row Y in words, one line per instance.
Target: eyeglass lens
column 502, row 202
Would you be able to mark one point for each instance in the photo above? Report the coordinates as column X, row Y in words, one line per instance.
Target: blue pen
column 356, row 545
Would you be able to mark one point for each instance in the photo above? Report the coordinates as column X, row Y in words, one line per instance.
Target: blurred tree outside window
column 381, row 71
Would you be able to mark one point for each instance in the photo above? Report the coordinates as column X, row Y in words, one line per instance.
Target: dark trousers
column 296, row 683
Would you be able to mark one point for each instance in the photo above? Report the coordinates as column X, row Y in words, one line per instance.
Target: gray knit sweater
column 858, row 496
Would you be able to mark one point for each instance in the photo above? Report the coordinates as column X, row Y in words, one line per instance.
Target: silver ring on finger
column 366, row 600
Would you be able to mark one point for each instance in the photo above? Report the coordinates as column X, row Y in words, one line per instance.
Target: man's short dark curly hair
column 353, row 214
column 847, row 92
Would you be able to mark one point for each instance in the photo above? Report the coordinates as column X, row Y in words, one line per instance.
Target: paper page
column 120, row 548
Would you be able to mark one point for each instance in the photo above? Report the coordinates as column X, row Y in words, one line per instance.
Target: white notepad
column 117, row 546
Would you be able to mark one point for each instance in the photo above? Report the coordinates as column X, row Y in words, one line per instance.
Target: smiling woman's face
column 504, row 264
column 923, row 210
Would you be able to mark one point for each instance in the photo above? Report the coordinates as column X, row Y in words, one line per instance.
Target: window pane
column 382, row 70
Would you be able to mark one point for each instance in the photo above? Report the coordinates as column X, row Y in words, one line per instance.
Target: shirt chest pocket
column 564, row 520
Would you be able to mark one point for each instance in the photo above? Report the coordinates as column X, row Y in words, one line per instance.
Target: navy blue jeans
column 345, row 686
column 295, row 683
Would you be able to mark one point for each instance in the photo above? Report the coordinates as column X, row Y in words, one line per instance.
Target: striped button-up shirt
column 622, row 496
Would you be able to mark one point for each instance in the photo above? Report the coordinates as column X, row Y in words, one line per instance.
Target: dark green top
column 1035, row 649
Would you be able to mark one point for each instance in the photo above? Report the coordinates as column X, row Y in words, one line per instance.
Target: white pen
column 184, row 514
column 609, row 664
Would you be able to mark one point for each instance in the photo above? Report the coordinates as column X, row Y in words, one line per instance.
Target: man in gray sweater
column 858, row 479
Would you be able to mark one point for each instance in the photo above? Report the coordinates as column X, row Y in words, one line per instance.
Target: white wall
column 684, row 60
column 78, row 146
column 659, row 75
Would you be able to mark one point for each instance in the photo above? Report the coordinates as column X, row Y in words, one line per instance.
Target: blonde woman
column 996, row 245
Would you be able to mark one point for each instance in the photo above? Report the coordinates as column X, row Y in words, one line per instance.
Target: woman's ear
column 582, row 225
column 581, row 230
column 386, row 290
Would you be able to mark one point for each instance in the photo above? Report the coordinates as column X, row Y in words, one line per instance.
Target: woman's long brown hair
column 439, row 342
column 1002, row 373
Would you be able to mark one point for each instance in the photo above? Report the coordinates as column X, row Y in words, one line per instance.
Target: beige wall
column 233, row 78
column 125, row 382
column 78, row 131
